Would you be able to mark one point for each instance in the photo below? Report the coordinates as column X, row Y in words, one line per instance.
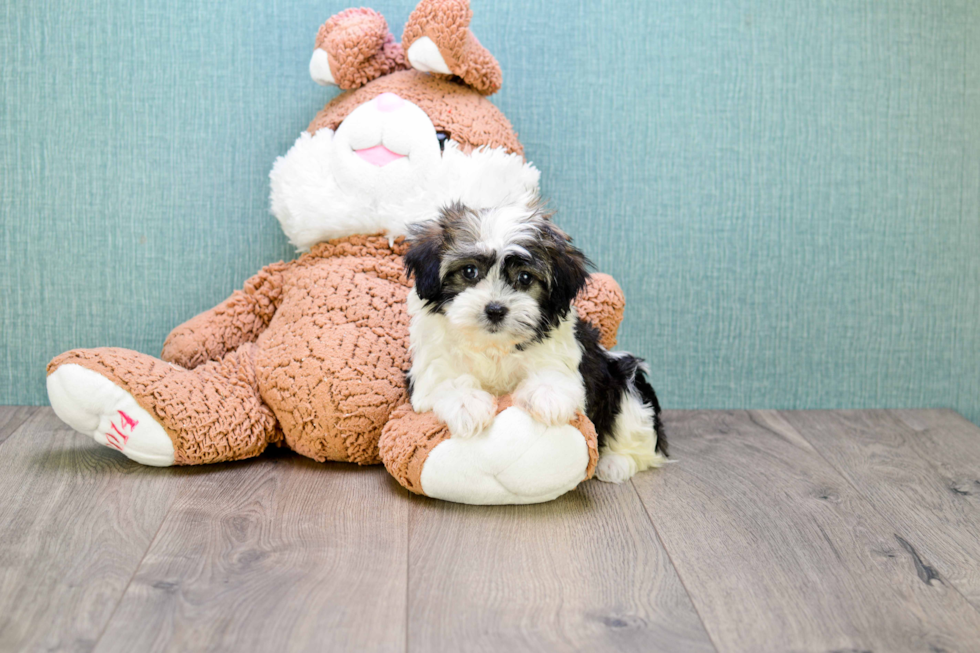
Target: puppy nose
column 495, row 312
column 388, row 102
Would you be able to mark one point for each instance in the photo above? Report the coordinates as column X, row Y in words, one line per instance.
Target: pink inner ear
column 379, row 155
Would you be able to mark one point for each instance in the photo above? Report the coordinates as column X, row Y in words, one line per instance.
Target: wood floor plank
column 780, row 553
column 921, row 471
column 11, row 417
column 956, row 428
column 584, row 572
column 75, row 520
column 276, row 554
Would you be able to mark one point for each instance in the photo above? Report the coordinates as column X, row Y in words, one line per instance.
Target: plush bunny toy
column 311, row 354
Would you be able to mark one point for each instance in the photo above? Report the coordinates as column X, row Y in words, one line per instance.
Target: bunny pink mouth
column 379, row 155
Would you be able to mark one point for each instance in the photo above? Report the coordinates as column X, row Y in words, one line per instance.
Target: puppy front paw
column 546, row 403
column 466, row 413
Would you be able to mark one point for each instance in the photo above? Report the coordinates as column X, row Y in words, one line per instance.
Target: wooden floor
column 772, row 531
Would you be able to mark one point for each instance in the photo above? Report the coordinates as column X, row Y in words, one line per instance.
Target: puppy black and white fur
column 491, row 314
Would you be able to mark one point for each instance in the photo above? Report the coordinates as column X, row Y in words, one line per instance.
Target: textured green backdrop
column 788, row 191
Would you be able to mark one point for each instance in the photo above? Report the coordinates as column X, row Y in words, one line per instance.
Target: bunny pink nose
column 389, row 102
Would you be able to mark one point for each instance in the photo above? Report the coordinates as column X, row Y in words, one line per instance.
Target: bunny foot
column 95, row 406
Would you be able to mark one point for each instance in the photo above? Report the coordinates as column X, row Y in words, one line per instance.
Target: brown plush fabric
column 602, row 303
column 447, row 23
column 359, row 47
column 409, row 437
column 332, row 362
column 469, row 118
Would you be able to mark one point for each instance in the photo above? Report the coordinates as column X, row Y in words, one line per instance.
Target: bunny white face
column 385, row 146
column 385, row 167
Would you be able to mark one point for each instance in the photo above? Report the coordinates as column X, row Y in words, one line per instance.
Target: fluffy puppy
column 492, row 314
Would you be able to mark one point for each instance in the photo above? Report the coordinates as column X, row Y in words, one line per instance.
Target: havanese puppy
column 492, row 314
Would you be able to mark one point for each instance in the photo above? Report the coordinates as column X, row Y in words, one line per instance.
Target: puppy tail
column 635, row 369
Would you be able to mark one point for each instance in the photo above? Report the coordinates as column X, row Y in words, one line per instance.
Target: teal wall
column 788, row 191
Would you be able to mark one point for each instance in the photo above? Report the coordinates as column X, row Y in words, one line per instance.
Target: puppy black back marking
column 607, row 379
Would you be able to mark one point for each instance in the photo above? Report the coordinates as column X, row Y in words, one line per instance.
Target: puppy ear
column 424, row 257
column 437, row 39
column 569, row 268
column 353, row 48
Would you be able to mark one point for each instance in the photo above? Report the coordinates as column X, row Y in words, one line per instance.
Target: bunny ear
column 437, row 39
column 353, row 48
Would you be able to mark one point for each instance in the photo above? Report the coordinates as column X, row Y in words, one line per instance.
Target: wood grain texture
column 823, row 531
column 75, row 521
column 276, row 554
column 584, row 572
column 921, row 473
column 780, row 553
column 11, row 417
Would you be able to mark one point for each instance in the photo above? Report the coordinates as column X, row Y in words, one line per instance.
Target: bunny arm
column 233, row 322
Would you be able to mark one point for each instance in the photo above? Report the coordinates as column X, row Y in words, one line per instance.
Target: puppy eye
column 470, row 272
column 442, row 137
column 524, row 279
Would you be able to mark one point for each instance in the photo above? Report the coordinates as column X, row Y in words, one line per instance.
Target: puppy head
column 505, row 275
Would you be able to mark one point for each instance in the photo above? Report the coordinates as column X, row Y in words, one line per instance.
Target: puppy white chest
column 498, row 372
column 501, row 369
